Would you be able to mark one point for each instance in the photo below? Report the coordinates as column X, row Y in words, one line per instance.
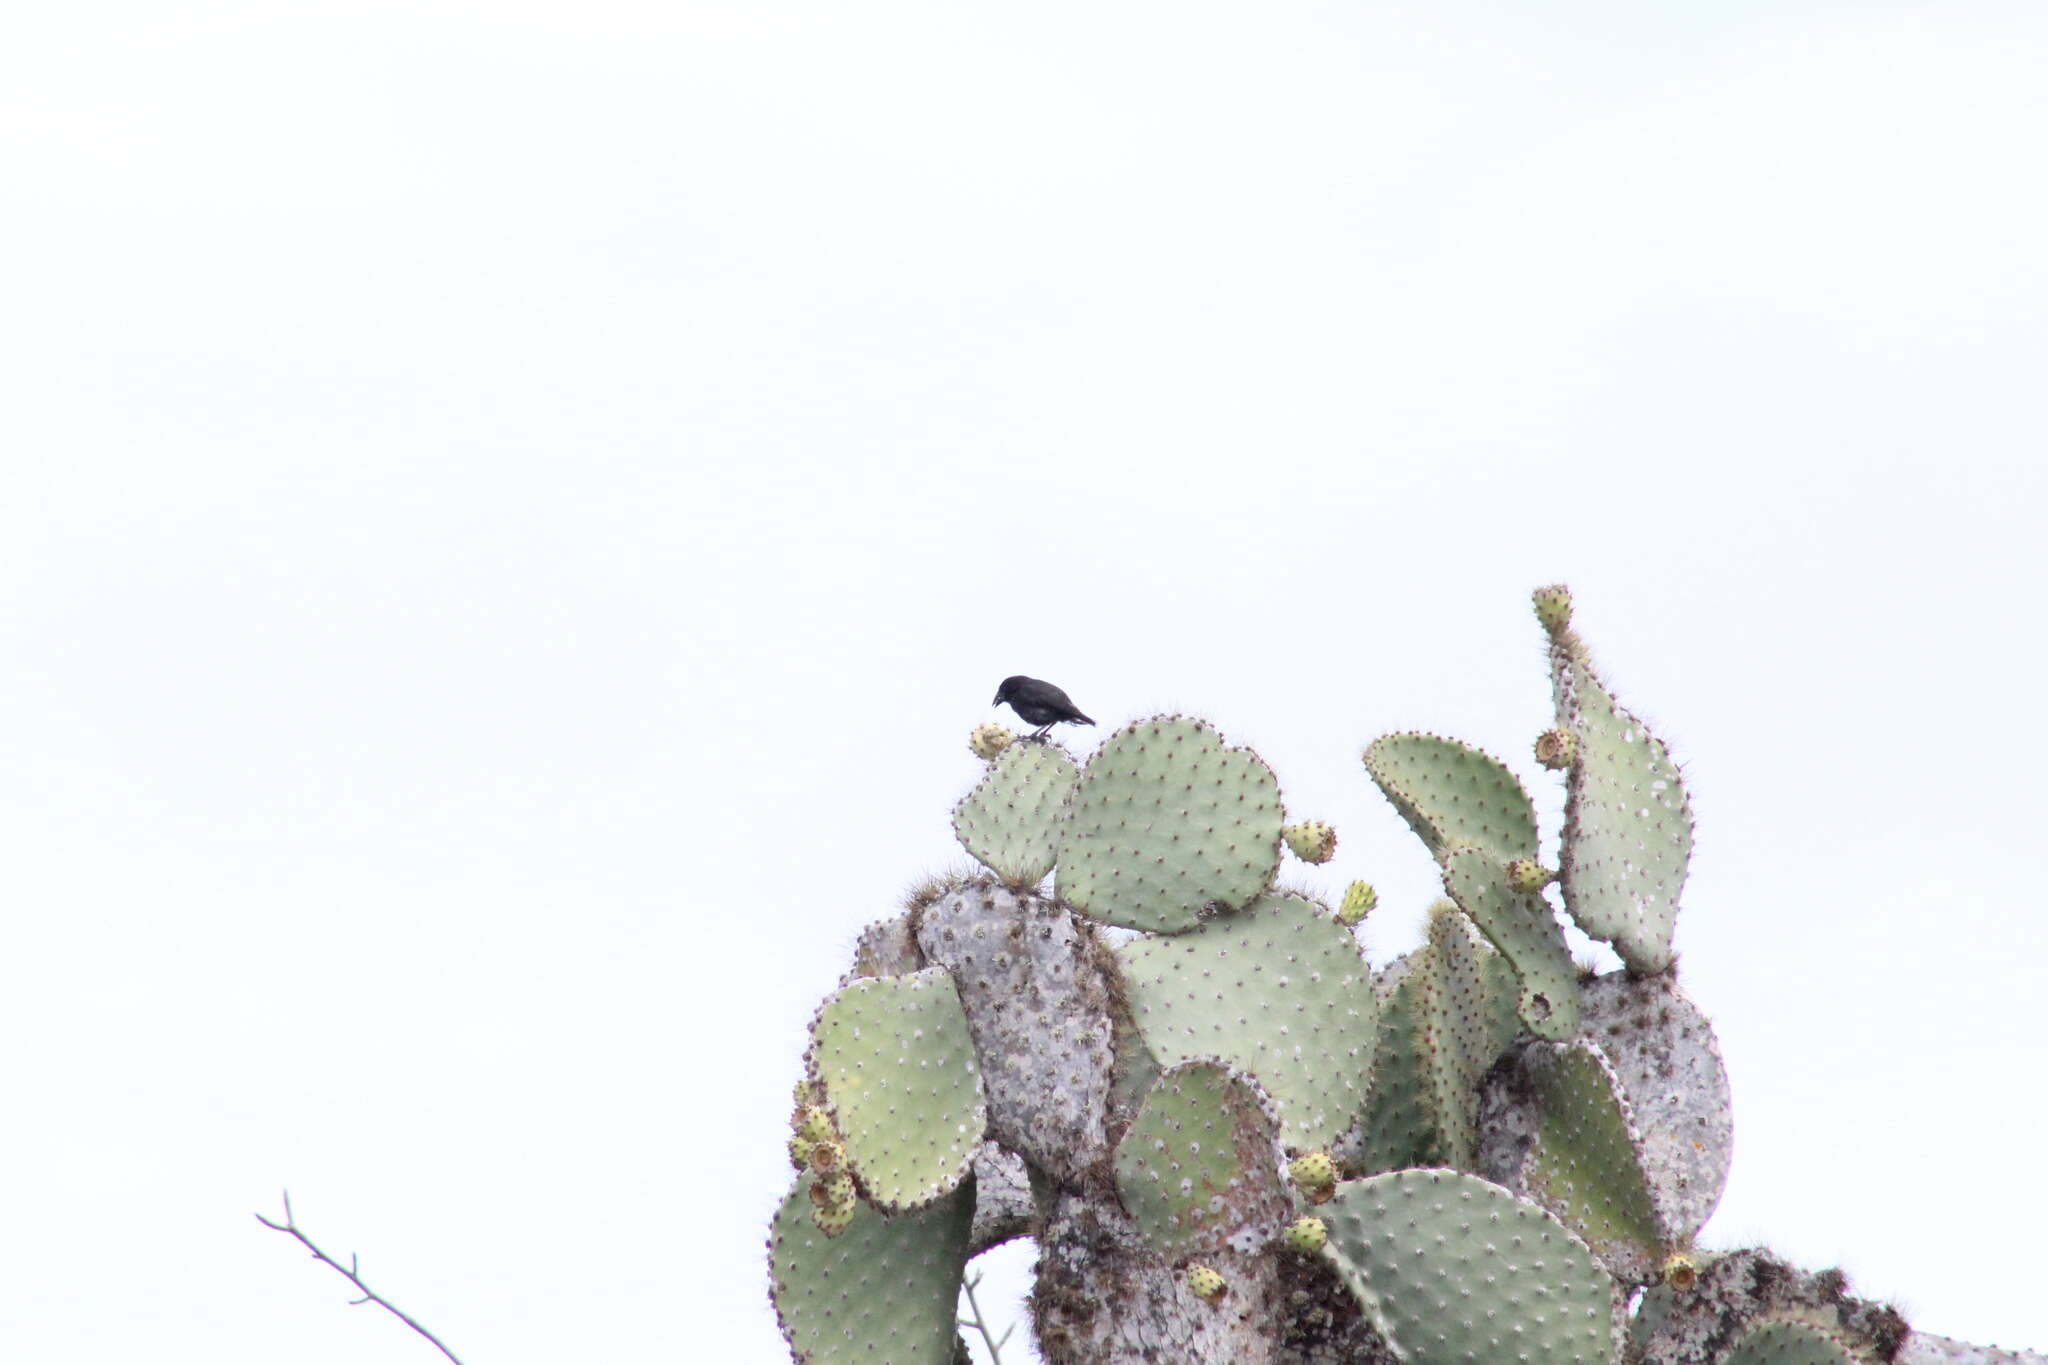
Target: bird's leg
column 1038, row 736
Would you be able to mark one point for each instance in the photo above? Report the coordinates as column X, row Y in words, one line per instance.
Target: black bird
column 1039, row 703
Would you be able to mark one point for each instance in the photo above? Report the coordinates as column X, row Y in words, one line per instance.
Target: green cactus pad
column 1454, row 1270
column 883, row 1289
column 1560, row 1131
column 1198, row 1170
column 899, row 1071
column 1627, row 824
column 1401, row 1127
column 1790, row 1343
column 1359, row 900
column 1010, row 823
column 1279, row 991
column 1166, row 823
column 1471, row 1021
column 1452, row 794
column 1527, row 934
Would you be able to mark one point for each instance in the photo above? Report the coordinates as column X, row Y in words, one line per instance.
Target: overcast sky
column 512, row 509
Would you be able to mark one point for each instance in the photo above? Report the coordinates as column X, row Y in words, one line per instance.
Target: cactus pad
column 899, row 1071
column 882, row 1289
column 1627, row 824
column 1790, row 1343
column 1198, row 1169
column 1278, row 990
column 1470, row 1020
column 1454, row 1270
column 1451, row 794
column 1359, row 900
column 1401, row 1127
column 1010, row 823
column 1167, row 822
column 1528, row 935
column 1560, row 1131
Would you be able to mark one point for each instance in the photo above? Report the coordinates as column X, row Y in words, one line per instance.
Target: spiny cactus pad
column 1454, row 1270
column 1401, row 1126
column 1279, row 991
column 1167, row 821
column 899, row 1070
column 1520, row 925
column 1010, row 823
column 1790, row 1343
column 883, row 1289
column 1627, row 824
column 1560, row 1131
column 1452, row 794
column 1469, row 1021
column 1198, row 1170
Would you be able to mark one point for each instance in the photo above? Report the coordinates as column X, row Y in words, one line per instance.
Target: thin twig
column 369, row 1295
column 994, row 1344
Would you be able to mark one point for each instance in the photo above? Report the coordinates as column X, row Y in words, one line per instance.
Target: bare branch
column 291, row 1228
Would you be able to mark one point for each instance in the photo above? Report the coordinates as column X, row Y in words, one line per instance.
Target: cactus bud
column 1206, row 1283
column 1526, row 875
column 1307, row 1235
column 799, row 1151
column 833, row 1219
column 1556, row 749
column 1553, row 607
column 1359, row 899
column 813, row 1124
column 1312, row 841
column 1315, row 1175
column 989, row 741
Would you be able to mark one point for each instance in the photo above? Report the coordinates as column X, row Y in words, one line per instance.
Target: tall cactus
column 1232, row 1140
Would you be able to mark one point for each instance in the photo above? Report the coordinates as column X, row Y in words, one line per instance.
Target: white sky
column 511, row 511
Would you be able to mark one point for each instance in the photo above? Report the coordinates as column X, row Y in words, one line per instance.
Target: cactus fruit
column 814, row 1124
column 1308, row 1234
column 1680, row 1271
column 1167, row 823
column 1553, row 606
column 1205, row 1283
column 1312, row 841
column 988, row 741
column 1527, row 876
column 800, row 1151
column 1359, row 900
column 1313, row 1171
column 827, row 1156
column 1556, row 749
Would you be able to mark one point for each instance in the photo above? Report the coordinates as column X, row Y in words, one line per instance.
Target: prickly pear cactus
column 1234, row 1142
